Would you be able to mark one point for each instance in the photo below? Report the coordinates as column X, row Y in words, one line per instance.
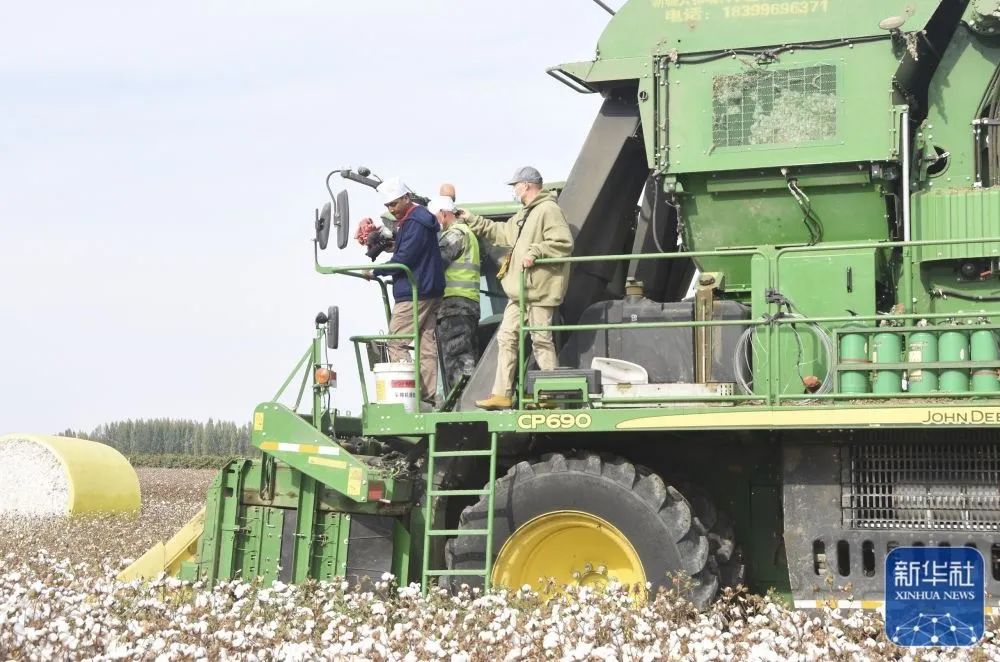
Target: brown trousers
column 541, row 343
column 402, row 322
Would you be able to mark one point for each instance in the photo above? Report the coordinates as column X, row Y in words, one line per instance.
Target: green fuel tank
column 984, row 348
column 854, row 350
column 922, row 347
column 953, row 346
column 887, row 348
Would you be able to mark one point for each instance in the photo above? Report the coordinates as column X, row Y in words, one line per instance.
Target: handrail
column 352, row 270
column 774, row 255
column 522, row 330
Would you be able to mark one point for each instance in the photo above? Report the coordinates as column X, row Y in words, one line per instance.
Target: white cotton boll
column 35, row 483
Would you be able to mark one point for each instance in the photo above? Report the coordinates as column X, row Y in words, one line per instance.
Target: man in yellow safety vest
column 458, row 314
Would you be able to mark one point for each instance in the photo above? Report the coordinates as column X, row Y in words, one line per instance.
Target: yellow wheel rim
column 567, row 547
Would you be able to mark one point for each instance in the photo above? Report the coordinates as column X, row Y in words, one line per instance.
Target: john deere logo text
column 971, row 417
column 553, row 421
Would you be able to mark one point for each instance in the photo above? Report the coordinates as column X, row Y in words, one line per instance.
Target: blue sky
column 159, row 166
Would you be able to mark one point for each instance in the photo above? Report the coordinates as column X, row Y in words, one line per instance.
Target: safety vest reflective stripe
column 462, row 276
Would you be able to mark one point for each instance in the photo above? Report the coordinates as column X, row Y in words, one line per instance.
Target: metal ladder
column 430, row 532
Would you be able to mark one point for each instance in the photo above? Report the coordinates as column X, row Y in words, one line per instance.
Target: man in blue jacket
column 416, row 247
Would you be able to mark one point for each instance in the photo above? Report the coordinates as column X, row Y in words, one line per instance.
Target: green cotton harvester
column 779, row 346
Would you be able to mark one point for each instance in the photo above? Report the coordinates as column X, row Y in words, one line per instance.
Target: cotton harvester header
column 780, row 366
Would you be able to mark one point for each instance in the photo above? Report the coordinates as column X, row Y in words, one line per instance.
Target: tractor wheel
column 586, row 519
column 726, row 554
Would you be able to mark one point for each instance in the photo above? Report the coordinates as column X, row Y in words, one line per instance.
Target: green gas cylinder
column 887, row 348
column 953, row 345
column 984, row 348
column 922, row 347
column 854, row 349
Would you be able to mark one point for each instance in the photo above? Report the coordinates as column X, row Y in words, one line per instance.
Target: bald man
column 448, row 191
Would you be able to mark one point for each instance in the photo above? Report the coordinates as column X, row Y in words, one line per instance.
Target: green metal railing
column 524, row 330
column 771, row 323
column 358, row 271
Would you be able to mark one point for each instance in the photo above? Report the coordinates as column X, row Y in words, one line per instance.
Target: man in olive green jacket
column 538, row 230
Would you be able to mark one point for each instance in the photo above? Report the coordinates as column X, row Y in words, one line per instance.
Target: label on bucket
column 403, row 383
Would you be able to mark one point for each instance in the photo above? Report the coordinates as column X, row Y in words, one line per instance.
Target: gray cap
column 526, row 174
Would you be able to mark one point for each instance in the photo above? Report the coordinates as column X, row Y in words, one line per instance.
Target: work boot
column 495, row 403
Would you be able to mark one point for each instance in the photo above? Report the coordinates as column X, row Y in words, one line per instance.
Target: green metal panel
column 304, row 531
column 282, row 433
column 847, row 281
column 807, row 109
column 954, row 96
column 217, row 548
column 329, row 551
column 641, row 27
column 249, row 543
column 730, row 210
column 956, row 214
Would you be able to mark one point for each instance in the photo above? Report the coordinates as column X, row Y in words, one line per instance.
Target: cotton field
column 59, row 599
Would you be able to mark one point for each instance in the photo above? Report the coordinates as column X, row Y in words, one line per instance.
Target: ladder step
column 435, row 493
column 455, row 573
column 485, row 453
column 458, row 532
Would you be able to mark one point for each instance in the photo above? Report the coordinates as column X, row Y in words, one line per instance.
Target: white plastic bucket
column 396, row 383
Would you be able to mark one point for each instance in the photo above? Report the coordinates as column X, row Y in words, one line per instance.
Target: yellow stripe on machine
column 309, row 449
column 856, row 417
column 326, row 462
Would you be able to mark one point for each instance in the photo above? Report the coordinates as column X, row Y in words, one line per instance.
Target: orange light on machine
column 376, row 490
column 325, row 376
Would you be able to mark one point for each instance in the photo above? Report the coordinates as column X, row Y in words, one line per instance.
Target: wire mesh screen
column 775, row 107
column 940, row 486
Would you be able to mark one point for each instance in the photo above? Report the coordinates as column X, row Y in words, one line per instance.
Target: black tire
column 726, row 554
column 654, row 517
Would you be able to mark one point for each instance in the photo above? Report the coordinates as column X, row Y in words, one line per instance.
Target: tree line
column 168, row 436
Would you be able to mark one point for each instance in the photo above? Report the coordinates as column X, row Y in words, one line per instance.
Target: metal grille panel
column 939, row 486
column 765, row 107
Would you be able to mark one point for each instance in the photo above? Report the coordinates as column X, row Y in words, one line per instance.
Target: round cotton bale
column 53, row 476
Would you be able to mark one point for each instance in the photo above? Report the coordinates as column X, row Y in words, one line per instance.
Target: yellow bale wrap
column 100, row 479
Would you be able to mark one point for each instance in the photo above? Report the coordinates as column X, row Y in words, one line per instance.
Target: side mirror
column 342, row 219
column 333, row 327
column 323, row 227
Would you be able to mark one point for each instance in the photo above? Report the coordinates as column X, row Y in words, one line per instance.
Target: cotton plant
column 54, row 608
column 59, row 599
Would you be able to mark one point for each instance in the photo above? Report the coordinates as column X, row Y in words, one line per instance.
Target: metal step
column 488, row 492
column 485, row 453
column 434, row 493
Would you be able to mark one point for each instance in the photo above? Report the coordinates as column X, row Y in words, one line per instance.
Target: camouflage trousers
column 457, row 347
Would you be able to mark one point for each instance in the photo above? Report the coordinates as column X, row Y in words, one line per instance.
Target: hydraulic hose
column 742, row 357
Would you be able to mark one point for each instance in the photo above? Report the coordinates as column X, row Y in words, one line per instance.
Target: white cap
column 441, row 203
column 393, row 189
